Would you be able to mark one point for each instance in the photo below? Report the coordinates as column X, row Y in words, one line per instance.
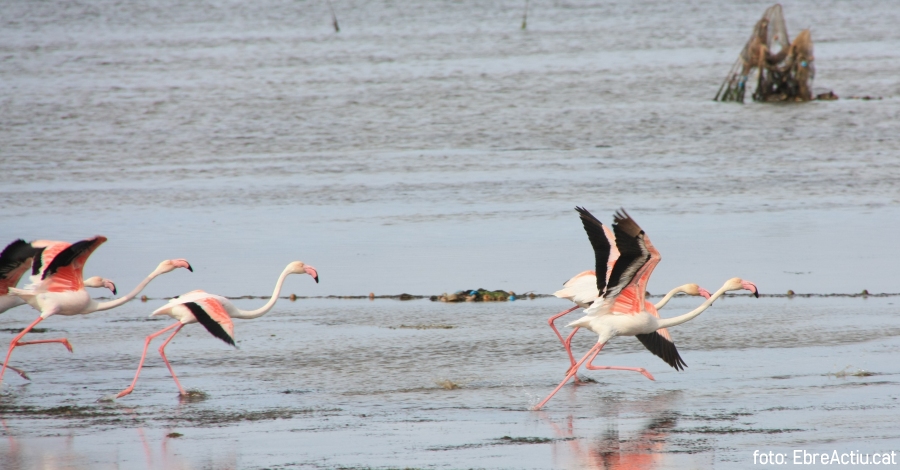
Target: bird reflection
column 612, row 450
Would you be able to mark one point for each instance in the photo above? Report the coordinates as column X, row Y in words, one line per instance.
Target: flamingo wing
column 213, row 315
column 65, row 271
column 606, row 253
column 638, row 257
column 662, row 348
column 15, row 259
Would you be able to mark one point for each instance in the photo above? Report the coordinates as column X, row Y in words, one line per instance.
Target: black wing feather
column 632, row 253
column 662, row 348
column 212, row 326
column 601, row 245
column 14, row 255
column 66, row 257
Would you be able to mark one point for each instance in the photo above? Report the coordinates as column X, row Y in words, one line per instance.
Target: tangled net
column 785, row 69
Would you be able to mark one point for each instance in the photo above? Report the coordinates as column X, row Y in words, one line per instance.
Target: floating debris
column 476, row 295
column 447, row 384
column 174, row 435
column 846, row 372
column 193, row 396
column 423, row 327
column 785, row 69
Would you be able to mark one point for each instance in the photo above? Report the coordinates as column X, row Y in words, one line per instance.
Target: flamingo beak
column 110, row 285
column 704, row 293
column 312, row 272
column 182, row 263
column 750, row 287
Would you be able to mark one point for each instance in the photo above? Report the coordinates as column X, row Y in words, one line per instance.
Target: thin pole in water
column 337, row 29
column 525, row 16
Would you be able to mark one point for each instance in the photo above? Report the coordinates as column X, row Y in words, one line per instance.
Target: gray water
column 432, row 147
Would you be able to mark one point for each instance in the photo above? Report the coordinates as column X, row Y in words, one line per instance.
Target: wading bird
column 61, row 290
column 582, row 289
column 19, row 256
column 212, row 311
column 621, row 309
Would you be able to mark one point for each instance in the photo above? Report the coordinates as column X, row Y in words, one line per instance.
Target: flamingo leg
column 64, row 341
column 568, row 344
column 590, row 366
column 162, row 352
column 15, row 342
column 143, row 356
column 572, row 371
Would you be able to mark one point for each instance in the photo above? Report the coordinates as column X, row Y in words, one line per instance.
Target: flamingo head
column 172, row 264
column 740, row 284
column 694, row 289
column 98, row 281
column 297, row 267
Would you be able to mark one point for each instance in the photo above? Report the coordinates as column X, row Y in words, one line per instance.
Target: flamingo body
column 212, row 311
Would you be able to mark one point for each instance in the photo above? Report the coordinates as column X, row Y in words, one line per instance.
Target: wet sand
column 338, row 383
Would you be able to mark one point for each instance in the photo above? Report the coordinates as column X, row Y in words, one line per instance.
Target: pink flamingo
column 212, row 311
column 61, row 290
column 582, row 290
column 621, row 309
column 17, row 258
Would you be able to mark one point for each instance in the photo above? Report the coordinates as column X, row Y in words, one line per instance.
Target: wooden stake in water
column 337, row 29
column 525, row 16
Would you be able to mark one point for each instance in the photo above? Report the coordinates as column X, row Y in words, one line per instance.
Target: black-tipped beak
column 190, row 268
column 115, row 292
column 756, row 294
column 317, row 279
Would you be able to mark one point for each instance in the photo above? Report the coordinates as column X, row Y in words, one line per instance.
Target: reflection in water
column 59, row 453
column 615, row 450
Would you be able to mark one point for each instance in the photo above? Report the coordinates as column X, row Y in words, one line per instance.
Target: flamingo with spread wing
column 60, row 290
column 628, row 257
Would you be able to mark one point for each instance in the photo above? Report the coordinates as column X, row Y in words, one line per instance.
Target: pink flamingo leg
column 567, row 343
column 64, row 341
column 572, row 371
column 553, row 319
column 162, row 352
column 590, row 366
column 144, row 355
column 14, row 343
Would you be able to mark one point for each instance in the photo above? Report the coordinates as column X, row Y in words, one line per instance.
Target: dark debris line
column 790, row 294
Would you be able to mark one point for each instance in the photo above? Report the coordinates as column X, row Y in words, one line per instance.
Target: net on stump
column 785, row 69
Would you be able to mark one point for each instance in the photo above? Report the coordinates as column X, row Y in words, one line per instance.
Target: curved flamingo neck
column 251, row 314
column 122, row 300
column 669, row 296
column 674, row 321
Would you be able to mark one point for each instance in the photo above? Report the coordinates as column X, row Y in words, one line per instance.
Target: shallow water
column 316, row 375
column 432, row 147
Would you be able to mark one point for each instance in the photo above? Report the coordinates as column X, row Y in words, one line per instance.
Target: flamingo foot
column 646, row 374
column 124, row 392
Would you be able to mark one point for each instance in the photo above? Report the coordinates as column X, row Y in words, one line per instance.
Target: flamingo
column 621, row 309
column 212, row 311
column 18, row 257
column 582, row 290
column 61, row 290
